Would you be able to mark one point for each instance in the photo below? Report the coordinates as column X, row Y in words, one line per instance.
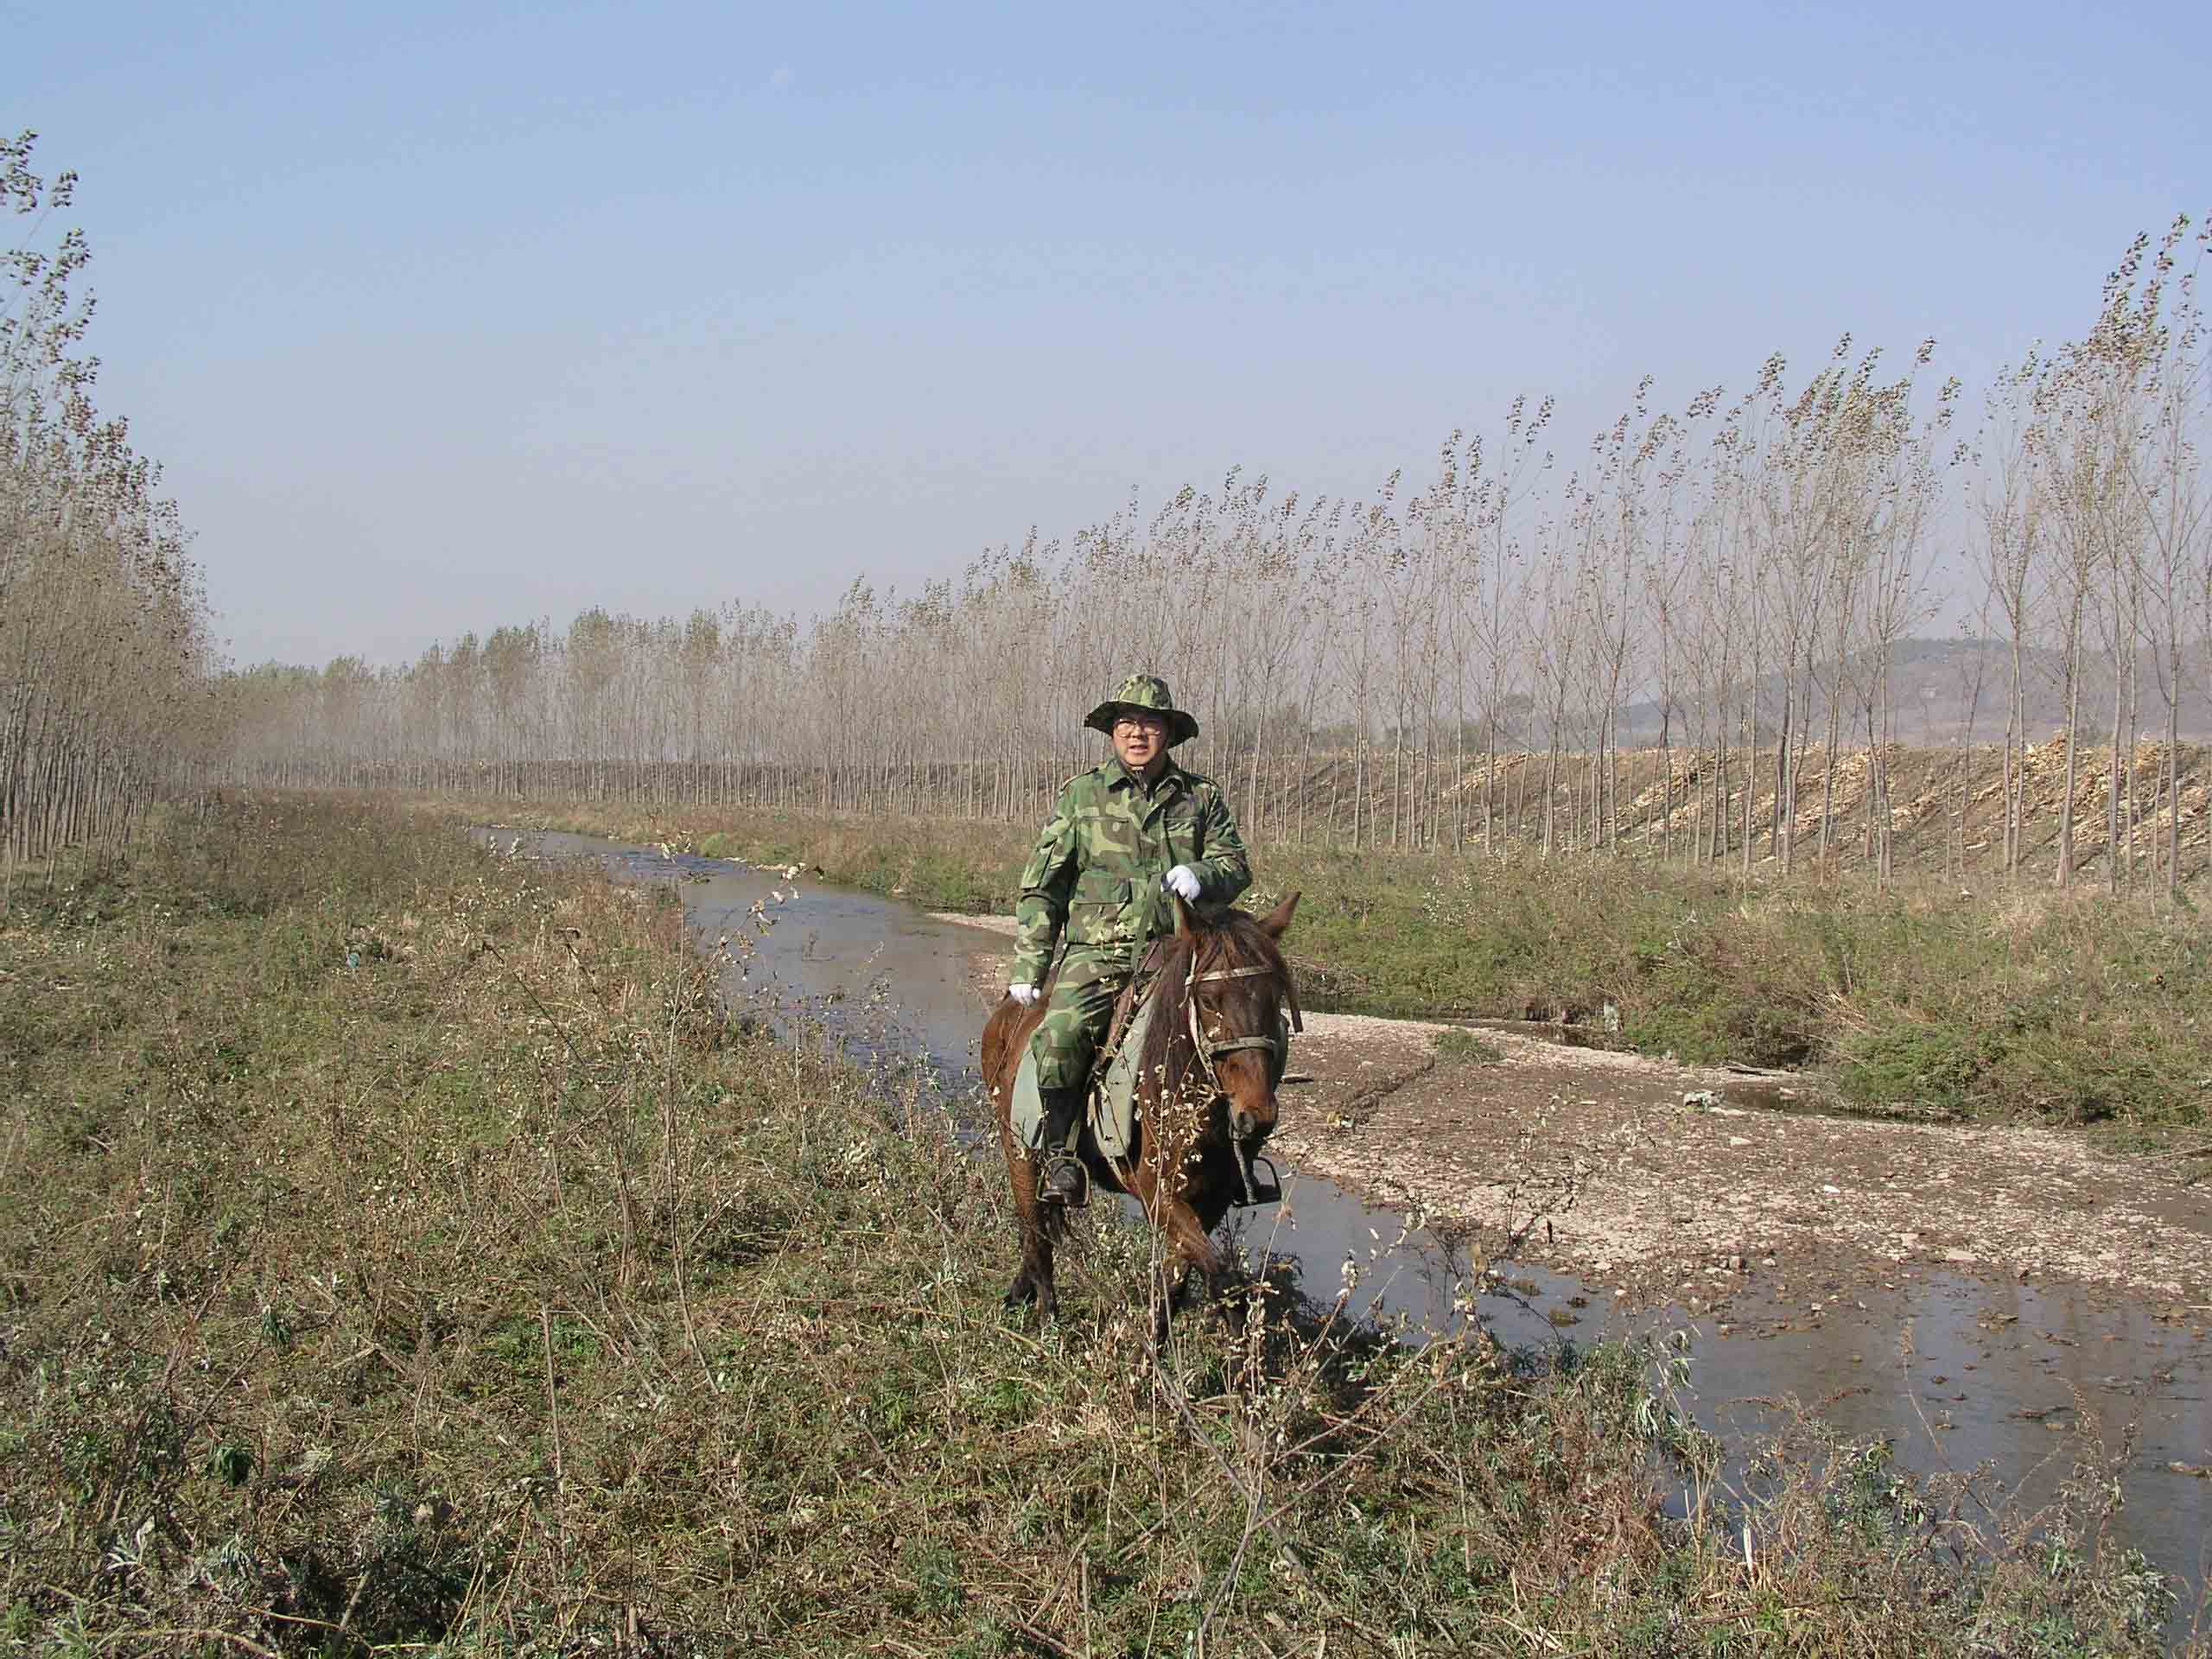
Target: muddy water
column 1958, row 1374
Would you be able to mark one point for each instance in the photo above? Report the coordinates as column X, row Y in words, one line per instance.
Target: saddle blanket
column 1112, row 1105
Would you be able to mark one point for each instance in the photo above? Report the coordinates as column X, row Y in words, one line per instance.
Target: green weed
column 1464, row 1047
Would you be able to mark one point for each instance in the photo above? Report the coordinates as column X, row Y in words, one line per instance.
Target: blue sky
column 441, row 317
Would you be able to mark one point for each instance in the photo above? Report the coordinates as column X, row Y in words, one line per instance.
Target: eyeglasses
column 1140, row 723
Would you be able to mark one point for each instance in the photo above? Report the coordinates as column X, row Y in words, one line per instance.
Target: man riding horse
column 1121, row 837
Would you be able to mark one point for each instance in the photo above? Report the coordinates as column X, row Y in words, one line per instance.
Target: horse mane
column 1235, row 940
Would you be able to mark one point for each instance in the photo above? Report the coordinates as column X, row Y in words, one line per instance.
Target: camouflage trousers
column 1077, row 1016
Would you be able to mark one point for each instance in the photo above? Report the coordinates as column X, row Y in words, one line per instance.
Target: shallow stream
column 1957, row 1373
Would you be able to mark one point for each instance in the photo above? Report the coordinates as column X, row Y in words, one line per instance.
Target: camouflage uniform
column 1095, row 879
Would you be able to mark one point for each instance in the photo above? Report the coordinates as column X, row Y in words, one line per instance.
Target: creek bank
column 1997, row 1003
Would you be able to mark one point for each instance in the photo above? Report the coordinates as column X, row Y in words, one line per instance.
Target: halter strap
column 1297, row 1019
column 1209, row 1051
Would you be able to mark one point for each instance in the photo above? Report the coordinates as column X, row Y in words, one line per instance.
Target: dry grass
column 403, row 1253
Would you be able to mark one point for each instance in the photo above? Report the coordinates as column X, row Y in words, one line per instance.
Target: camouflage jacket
column 1095, row 873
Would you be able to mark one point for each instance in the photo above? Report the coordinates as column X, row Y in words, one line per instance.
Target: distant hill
column 1932, row 687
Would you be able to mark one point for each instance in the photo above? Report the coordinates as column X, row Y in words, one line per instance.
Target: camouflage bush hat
column 1144, row 694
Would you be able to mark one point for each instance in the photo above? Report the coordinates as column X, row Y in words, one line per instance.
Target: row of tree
column 107, row 697
column 1685, row 635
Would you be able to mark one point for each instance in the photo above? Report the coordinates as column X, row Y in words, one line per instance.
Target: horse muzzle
column 1249, row 1116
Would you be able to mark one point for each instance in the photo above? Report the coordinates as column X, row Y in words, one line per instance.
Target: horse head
column 1217, row 1034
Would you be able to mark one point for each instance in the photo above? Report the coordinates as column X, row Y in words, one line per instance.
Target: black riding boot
column 1063, row 1177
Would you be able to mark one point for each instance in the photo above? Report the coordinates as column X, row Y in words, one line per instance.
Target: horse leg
column 1209, row 1206
column 1034, row 1282
column 1004, row 1038
column 1191, row 1249
column 1036, row 1229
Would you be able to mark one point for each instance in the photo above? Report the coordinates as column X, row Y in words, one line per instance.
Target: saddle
column 1109, row 1098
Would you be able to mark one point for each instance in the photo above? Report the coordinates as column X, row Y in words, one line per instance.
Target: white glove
column 1025, row 995
column 1183, row 882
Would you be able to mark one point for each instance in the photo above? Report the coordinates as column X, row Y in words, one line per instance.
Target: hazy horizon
column 439, row 323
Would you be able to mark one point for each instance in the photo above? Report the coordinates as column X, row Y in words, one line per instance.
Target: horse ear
column 1277, row 922
column 1185, row 923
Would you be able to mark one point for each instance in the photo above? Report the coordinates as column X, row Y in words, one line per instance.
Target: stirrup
column 1051, row 1188
column 1259, row 1188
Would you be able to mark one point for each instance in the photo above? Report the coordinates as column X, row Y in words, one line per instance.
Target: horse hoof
column 1020, row 1292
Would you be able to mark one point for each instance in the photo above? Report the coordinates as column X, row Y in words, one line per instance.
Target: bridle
column 1210, row 1049
column 1207, row 1051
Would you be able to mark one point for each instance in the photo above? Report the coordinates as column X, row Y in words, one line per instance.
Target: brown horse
column 1206, row 1095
